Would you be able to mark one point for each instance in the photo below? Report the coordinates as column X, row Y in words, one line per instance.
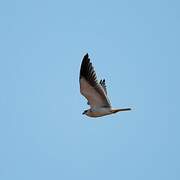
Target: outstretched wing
column 89, row 86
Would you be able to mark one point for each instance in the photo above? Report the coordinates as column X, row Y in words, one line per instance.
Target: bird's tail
column 118, row 110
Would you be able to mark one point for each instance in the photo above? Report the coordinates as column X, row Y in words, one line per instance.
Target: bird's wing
column 89, row 86
column 103, row 84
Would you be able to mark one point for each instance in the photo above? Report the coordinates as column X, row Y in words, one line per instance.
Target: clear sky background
column 134, row 45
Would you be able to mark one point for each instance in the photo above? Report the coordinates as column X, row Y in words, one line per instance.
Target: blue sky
column 134, row 45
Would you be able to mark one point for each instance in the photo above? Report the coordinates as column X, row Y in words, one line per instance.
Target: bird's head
column 85, row 112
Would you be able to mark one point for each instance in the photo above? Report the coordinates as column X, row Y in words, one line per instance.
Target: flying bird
column 95, row 92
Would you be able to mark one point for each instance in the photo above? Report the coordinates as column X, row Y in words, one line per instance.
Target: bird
column 95, row 91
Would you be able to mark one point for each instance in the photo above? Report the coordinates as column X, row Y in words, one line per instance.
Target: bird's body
column 103, row 111
column 98, row 112
column 94, row 91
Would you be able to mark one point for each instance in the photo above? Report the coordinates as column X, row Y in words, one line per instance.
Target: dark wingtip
column 85, row 58
column 84, row 63
column 87, row 55
column 87, row 71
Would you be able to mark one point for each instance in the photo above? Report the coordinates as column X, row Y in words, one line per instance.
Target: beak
column 85, row 112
